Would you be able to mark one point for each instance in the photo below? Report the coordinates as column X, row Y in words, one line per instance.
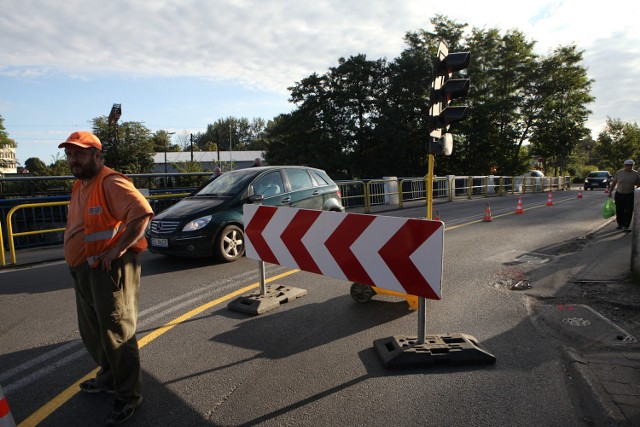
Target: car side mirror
column 255, row 198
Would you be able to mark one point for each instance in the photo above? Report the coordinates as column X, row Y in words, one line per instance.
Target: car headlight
column 197, row 224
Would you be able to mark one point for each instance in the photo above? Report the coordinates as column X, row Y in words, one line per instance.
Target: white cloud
column 270, row 44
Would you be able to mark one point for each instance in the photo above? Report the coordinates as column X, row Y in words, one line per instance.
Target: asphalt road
column 311, row 361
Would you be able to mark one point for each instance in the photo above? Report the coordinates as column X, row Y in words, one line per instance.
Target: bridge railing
column 40, row 221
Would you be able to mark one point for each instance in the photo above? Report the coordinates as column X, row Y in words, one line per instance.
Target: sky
column 178, row 65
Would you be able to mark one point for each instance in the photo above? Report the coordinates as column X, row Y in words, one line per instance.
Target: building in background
column 208, row 160
column 8, row 163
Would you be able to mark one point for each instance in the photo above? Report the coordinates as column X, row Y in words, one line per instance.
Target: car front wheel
column 229, row 245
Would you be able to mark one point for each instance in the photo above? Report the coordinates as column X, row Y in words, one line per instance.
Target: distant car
column 535, row 174
column 209, row 222
column 597, row 179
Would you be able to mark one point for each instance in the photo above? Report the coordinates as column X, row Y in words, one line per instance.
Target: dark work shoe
column 91, row 386
column 122, row 411
column 619, row 227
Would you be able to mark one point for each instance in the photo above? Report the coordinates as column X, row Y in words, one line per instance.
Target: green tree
column 161, row 140
column 369, row 118
column 36, row 167
column 237, row 134
column 617, row 142
column 127, row 147
column 60, row 167
column 337, row 114
column 502, row 70
column 583, row 159
column 5, row 141
column 189, row 181
column 285, row 130
column 564, row 93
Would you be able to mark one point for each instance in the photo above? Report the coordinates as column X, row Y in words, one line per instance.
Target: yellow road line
column 55, row 403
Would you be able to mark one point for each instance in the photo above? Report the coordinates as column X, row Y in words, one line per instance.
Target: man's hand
column 108, row 257
column 133, row 231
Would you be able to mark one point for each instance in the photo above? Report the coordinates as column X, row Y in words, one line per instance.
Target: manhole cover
column 576, row 321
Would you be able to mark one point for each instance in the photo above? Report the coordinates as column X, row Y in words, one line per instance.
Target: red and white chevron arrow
column 400, row 254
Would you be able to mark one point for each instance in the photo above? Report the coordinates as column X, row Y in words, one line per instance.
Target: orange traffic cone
column 519, row 209
column 487, row 214
column 437, row 216
column 550, row 199
column 6, row 420
column 579, row 194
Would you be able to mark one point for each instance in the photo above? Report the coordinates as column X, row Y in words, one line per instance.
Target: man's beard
column 85, row 172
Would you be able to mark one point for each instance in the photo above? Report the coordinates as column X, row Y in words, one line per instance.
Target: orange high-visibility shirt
column 123, row 201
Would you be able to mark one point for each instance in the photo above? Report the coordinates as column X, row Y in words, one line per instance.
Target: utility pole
column 166, row 141
column 231, row 146
column 218, row 147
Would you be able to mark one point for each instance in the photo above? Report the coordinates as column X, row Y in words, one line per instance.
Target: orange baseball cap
column 82, row 139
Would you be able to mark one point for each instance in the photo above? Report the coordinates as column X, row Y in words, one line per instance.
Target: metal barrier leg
column 422, row 319
column 429, row 350
column 267, row 298
column 263, row 286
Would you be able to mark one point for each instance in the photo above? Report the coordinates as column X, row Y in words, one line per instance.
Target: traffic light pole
column 422, row 301
column 447, row 349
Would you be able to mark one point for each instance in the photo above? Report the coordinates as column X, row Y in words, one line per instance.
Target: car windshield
column 228, row 184
column 598, row 174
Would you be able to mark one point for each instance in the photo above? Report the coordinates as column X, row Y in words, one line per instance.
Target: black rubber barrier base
column 275, row 295
column 450, row 349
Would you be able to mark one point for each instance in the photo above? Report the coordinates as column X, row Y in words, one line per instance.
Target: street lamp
column 114, row 116
column 166, row 140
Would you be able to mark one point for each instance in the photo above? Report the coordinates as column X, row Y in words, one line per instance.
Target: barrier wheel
column 361, row 294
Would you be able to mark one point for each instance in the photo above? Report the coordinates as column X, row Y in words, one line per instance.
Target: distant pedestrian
column 216, row 173
column 257, row 162
column 627, row 179
column 103, row 237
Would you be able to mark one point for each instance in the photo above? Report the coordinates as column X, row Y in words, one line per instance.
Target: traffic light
column 443, row 90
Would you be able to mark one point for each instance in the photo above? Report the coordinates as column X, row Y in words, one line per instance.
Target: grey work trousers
column 624, row 209
column 107, row 305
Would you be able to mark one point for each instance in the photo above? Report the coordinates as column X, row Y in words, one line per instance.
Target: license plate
column 161, row 243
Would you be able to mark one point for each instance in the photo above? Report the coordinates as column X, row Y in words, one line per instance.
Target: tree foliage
column 617, row 142
column 231, row 134
column 36, row 167
column 368, row 117
column 161, row 140
column 127, row 147
column 563, row 95
column 5, row 141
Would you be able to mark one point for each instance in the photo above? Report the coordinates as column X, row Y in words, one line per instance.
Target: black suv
column 597, row 179
column 210, row 222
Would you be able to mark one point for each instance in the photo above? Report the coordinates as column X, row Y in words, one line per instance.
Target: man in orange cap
column 102, row 241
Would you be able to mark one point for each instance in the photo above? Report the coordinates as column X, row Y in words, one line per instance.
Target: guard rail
column 37, row 221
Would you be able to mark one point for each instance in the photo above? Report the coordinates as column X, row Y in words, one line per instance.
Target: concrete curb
column 607, row 412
